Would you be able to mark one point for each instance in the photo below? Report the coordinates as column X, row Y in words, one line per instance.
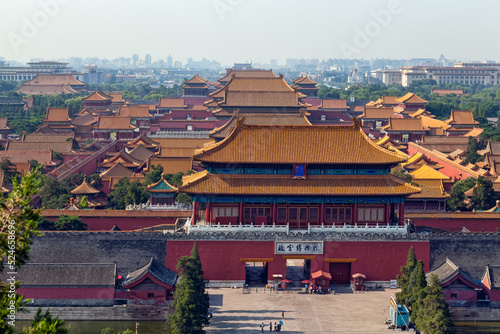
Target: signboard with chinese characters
column 306, row 247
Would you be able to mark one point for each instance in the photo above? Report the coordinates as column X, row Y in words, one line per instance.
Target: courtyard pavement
column 342, row 312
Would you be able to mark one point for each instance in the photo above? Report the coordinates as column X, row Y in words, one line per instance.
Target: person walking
column 275, row 326
column 282, row 314
column 262, row 327
column 270, row 326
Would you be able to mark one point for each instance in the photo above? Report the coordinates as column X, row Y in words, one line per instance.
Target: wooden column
column 321, row 213
column 241, row 212
column 195, row 213
column 387, row 213
column 355, row 213
column 401, row 213
column 275, row 209
column 208, row 209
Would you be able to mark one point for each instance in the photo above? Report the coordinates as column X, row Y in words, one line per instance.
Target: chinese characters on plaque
column 311, row 247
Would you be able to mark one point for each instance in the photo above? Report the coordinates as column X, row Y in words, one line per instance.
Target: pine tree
column 404, row 280
column 418, row 285
column 191, row 302
column 44, row 324
column 434, row 313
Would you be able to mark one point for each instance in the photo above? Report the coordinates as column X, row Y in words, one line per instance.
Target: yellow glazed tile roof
column 428, row 173
column 373, row 185
column 331, row 144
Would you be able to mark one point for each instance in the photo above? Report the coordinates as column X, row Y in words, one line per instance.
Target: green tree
column 126, row 193
column 35, row 164
column 456, row 200
column 418, row 284
column 44, row 324
column 484, row 196
column 472, row 147
column 54, row 194
column 154, row 176
column 183, row 198
column 20, row 220
column 434, row 314
column 404, row 280
column 84, row 203
column 69, row 223
column 191, row 302
column 9, row 170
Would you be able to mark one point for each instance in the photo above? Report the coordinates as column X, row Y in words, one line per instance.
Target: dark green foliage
column 6, row 86
column 404, row 280
column 84, row 203
column 142, row 90
column 154, row 176
column 9, row 170
column 74, row 105
column 16, row 207
column 35, row 164
column 57, row 156
column 95, row 180
column 28, row 120
column 417, row 284
column 69, row 223
column 126, row 193
column 484, row 196
column 456, row 200
column 472, row 147
column 183, row 198
column 434, row 315
column 44, row 324
column 191, row 302
column 54, row 194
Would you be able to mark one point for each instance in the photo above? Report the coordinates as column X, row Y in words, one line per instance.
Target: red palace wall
column 378, row 260
column 484, row 222
column 67, row 293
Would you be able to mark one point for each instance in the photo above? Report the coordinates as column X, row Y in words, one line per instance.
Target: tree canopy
column 18, row 224
column 483, row 198
column 45, row 324
column 191, row 302
column 126, row 193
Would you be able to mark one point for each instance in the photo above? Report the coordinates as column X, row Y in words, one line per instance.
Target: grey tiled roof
column 447, row 270
column 158, row 271
column 67, row 274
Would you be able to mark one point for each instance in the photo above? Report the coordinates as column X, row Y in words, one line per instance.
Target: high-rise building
column 147, row 59
column 170, row 61
column 135, row 59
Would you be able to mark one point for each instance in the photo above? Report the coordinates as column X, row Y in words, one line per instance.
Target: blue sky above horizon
column 239, row 30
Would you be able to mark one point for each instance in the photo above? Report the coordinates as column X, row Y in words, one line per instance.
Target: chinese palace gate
column 297, row 175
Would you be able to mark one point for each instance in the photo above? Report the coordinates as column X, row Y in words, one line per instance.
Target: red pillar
column 275, row 209
column 195, row 213
column 321, row 213
column 401, row 213
column 387, row 213
column 241, row 212
column 355, row 213
column 207, row 212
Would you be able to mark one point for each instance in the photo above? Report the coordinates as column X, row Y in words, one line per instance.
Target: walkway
column 235, row 312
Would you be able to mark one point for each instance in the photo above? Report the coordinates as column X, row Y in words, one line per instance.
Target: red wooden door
column 341, row 273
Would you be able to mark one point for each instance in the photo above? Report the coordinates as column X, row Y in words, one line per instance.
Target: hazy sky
column 239, row 30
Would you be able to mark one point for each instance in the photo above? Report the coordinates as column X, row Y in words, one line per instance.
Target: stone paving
column 342, row 312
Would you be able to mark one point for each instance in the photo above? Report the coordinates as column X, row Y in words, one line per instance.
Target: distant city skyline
column 232, row 31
